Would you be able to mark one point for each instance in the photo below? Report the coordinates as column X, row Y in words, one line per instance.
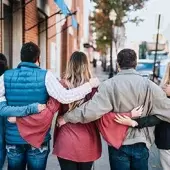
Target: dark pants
column 20, row 156
column 2, row 155
column 2, row 142
column 71, row 165
column 129, row 157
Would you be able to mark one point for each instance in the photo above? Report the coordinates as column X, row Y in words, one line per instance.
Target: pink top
column 34, row 128
column 77, row 142
column 112, row 132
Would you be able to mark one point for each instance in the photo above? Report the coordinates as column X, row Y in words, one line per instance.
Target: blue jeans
column 2, row 155
column 129, row 157
column 2, row 142
column 20, row 156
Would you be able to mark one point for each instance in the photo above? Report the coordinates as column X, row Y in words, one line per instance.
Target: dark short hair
column 3, row 58
column 127, row 59
column 3, row 64
column 30, row 52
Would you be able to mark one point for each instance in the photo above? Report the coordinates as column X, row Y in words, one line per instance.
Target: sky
column 146, row 29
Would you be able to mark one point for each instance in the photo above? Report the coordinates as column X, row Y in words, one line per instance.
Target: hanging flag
column 64, row 9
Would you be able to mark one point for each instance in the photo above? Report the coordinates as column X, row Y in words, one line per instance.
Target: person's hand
column 12, row 119
column 125, row 120
column 137, row 112
column 94, row 82
column 60, row 121
column 166, row 89
column 41, row 107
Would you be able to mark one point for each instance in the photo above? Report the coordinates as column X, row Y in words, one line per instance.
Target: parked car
column 145, row 68
column 160, row 56
column 162, row 68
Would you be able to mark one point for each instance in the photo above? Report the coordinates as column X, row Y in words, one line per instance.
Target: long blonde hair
column 77, row 73
column 166, row 78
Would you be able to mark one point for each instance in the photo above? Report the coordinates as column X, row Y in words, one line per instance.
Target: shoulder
column 107, row 84
column 41, row 71
column 11, row 72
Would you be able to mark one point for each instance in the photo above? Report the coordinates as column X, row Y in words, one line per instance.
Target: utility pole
column 156, row 49
column 111, row 59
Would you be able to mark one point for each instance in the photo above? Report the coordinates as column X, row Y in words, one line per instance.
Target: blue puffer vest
column 24, row 85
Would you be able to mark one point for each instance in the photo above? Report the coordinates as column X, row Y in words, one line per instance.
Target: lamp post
column 157, row 42
column 112, row 17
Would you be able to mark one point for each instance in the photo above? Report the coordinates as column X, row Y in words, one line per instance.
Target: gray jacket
column 127, row 90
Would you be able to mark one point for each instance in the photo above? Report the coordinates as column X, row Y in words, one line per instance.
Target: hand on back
column 125, row 120
column 166, row 89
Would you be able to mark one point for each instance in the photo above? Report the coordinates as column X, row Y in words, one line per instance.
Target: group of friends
column 128, row 110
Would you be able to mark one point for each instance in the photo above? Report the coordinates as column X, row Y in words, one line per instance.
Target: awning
column 65, row 10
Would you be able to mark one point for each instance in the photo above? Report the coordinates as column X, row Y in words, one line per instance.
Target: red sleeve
column 112, row 132
column 34, row 128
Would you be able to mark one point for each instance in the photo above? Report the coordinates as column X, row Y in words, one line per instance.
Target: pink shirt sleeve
column 113, row 132
column 34, row 128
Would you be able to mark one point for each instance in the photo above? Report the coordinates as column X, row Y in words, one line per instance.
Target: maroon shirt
column 77, row 142
column 34, row 128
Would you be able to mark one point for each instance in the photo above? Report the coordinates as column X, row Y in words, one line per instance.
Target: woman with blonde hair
column 162, row 128
column 77, row 146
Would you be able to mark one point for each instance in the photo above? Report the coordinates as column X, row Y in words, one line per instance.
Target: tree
column 102, row 23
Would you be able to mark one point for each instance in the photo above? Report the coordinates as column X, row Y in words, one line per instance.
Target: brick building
column 44, row 23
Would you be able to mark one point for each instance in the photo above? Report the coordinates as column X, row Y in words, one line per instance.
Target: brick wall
column 0, row 30
column 1, row 22
column 70, row 42
column 64, row 48
column 79, row 16
column 74, row 40
column 0, row 40
column 67, row 40
column 31, row 19
column 52, row 29
column 31, row 31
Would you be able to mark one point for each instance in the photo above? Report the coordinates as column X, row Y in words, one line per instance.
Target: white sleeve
column 57, row 91
column 2, row 89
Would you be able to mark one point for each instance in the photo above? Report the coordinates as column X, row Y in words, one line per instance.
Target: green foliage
column 103, row 25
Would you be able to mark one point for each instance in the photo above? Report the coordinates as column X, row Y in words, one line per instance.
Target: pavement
column 103, row 162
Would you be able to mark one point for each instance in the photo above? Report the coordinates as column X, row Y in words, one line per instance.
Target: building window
column 78, row 36
column 6, row 33
column 42, row 38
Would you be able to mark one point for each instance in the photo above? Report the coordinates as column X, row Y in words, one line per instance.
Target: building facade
column 45, row 23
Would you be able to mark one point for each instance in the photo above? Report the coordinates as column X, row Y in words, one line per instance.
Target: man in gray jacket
column 127, row 90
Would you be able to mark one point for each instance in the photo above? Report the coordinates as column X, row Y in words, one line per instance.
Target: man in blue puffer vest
column 28, row 84
column 11, row 111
